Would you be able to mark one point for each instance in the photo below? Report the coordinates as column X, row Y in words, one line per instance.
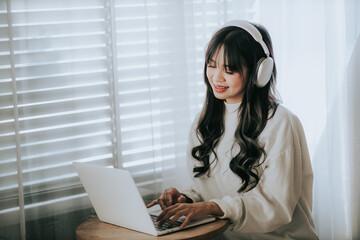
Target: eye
column 229, row 71
column 211, row 64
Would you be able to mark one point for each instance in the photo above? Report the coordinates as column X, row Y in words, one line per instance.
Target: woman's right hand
column 170, row 197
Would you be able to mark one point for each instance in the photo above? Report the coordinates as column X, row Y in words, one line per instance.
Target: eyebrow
column 225, row 66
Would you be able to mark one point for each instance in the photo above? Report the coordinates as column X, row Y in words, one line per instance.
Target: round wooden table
column 95, row 229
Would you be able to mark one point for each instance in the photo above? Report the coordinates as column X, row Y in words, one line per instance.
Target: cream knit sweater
column 279, row 207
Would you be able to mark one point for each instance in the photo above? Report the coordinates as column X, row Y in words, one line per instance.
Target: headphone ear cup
column 264, row 71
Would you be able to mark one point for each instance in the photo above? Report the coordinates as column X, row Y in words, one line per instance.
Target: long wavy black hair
column 257, row 106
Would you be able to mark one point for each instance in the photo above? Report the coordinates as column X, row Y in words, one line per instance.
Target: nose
column 218, row 76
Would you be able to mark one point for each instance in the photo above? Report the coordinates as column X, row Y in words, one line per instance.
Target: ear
column 264, row 71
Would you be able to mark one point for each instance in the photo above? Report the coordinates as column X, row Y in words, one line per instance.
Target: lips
column 219, row 88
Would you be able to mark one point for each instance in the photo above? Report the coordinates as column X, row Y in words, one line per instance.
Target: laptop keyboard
column 165, row 225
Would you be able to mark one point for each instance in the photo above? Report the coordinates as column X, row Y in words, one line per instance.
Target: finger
column 168, row 215
column 162, row 214
column 181, row 199
column 187, row 219
column 176, row 217
column 166, row 210
column 164, row 217
column 172, row 206
column 161, row 203
column 153, row 203
column 168, row 198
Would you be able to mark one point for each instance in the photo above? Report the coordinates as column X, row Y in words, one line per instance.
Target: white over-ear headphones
column 264, row 65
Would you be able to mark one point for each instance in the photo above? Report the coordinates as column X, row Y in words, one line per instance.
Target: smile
column 219, row 88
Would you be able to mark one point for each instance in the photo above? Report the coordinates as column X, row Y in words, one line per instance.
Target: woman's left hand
column 190, row 211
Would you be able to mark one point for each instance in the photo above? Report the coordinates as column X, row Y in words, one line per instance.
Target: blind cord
column 114, row 88
column 156, row 190
column 17, row 127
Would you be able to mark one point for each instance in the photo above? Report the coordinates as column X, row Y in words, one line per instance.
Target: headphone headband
column 265, row 66
column 253, row 31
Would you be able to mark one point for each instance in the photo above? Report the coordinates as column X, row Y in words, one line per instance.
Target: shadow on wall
column 353, row 78
column 334, row 162
column 57, row 227
column 328, row 189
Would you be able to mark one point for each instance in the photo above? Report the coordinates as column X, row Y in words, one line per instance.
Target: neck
column 232, row 107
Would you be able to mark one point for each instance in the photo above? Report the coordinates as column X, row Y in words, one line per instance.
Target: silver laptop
column 116, row 200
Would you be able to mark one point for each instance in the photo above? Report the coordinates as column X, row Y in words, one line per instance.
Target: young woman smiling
column 248, row 154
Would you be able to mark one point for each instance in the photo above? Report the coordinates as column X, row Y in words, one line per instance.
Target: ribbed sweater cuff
column 226, row 205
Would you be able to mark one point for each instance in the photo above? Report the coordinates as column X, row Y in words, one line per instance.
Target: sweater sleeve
column 272, row 202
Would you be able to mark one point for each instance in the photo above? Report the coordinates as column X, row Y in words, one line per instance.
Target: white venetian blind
column 160, row 59
column 112, row 82
column 8, row 175
column 152, row 91
column 63, row 90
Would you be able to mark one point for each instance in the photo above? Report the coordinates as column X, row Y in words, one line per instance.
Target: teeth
column 218, row 87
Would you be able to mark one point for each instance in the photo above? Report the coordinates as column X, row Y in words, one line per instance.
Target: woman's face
column 226, row 85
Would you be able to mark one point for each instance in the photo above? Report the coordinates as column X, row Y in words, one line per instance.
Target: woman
column 248, row 154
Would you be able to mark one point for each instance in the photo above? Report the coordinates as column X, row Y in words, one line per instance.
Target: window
column 108, row 82
column 56, row 101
